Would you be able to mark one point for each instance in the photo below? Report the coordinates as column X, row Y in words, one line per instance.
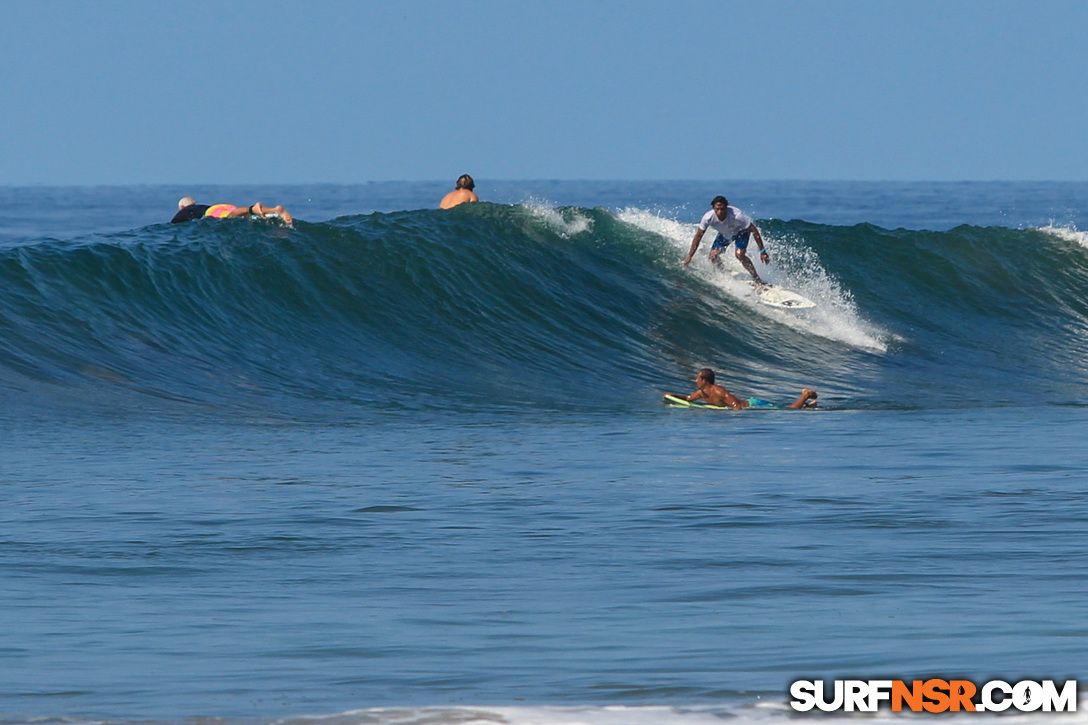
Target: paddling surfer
column 189, row 210
column 719, row 397
column 733, row 227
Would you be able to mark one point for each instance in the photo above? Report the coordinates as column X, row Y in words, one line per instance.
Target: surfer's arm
column 695, row 244
column 759, row 242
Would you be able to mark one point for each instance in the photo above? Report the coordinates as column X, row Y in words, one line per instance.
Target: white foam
column 565, row 224
column 531, row 715
column 759, row 713
column 794, row 266
column 1068, row 234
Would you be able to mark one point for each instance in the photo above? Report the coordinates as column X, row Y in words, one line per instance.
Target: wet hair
column 466, row 182
column 186, row 201
column 720, row 198
column 707, row 374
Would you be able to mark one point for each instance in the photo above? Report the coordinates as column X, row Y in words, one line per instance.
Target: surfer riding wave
column 734, row 228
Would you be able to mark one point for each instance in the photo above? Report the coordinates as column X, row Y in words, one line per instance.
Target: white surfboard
column 271, row 216
column 779, row 297
column 774, row 296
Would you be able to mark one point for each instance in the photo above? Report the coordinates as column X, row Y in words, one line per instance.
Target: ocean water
column 397, row 465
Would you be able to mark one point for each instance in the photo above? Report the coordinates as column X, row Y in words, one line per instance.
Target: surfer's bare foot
column 807, row 399
column 278, row 211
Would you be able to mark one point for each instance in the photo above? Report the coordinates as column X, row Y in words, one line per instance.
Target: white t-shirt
column 734, row 222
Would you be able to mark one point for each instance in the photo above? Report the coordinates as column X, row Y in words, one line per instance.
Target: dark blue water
column 400, row 465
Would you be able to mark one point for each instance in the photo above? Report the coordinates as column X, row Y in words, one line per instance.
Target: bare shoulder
column 455, row 197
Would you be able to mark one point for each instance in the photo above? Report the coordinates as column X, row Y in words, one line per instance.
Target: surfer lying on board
column 188, row 210
column 719, row 397
column 462, row 193
column 733, row 227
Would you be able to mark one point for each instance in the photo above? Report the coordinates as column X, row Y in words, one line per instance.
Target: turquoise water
column 404, row 466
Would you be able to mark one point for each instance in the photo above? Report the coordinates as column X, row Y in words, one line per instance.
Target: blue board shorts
column 757, row 403
column 741, row 240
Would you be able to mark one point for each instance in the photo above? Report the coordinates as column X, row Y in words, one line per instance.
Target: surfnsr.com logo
column 935, row 695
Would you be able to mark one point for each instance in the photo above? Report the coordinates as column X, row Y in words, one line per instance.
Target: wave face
column 535, row 307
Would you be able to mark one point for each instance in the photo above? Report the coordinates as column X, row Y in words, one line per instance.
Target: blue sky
column 226, row 92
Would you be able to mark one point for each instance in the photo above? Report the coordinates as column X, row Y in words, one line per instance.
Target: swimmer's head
column 186, row 201
column 722, row 199
column 466, row 182
column 706, row 375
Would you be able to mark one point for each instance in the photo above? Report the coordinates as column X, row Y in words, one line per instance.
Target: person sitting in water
column 188, row 210
column 461, row 194
column 719, row 397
